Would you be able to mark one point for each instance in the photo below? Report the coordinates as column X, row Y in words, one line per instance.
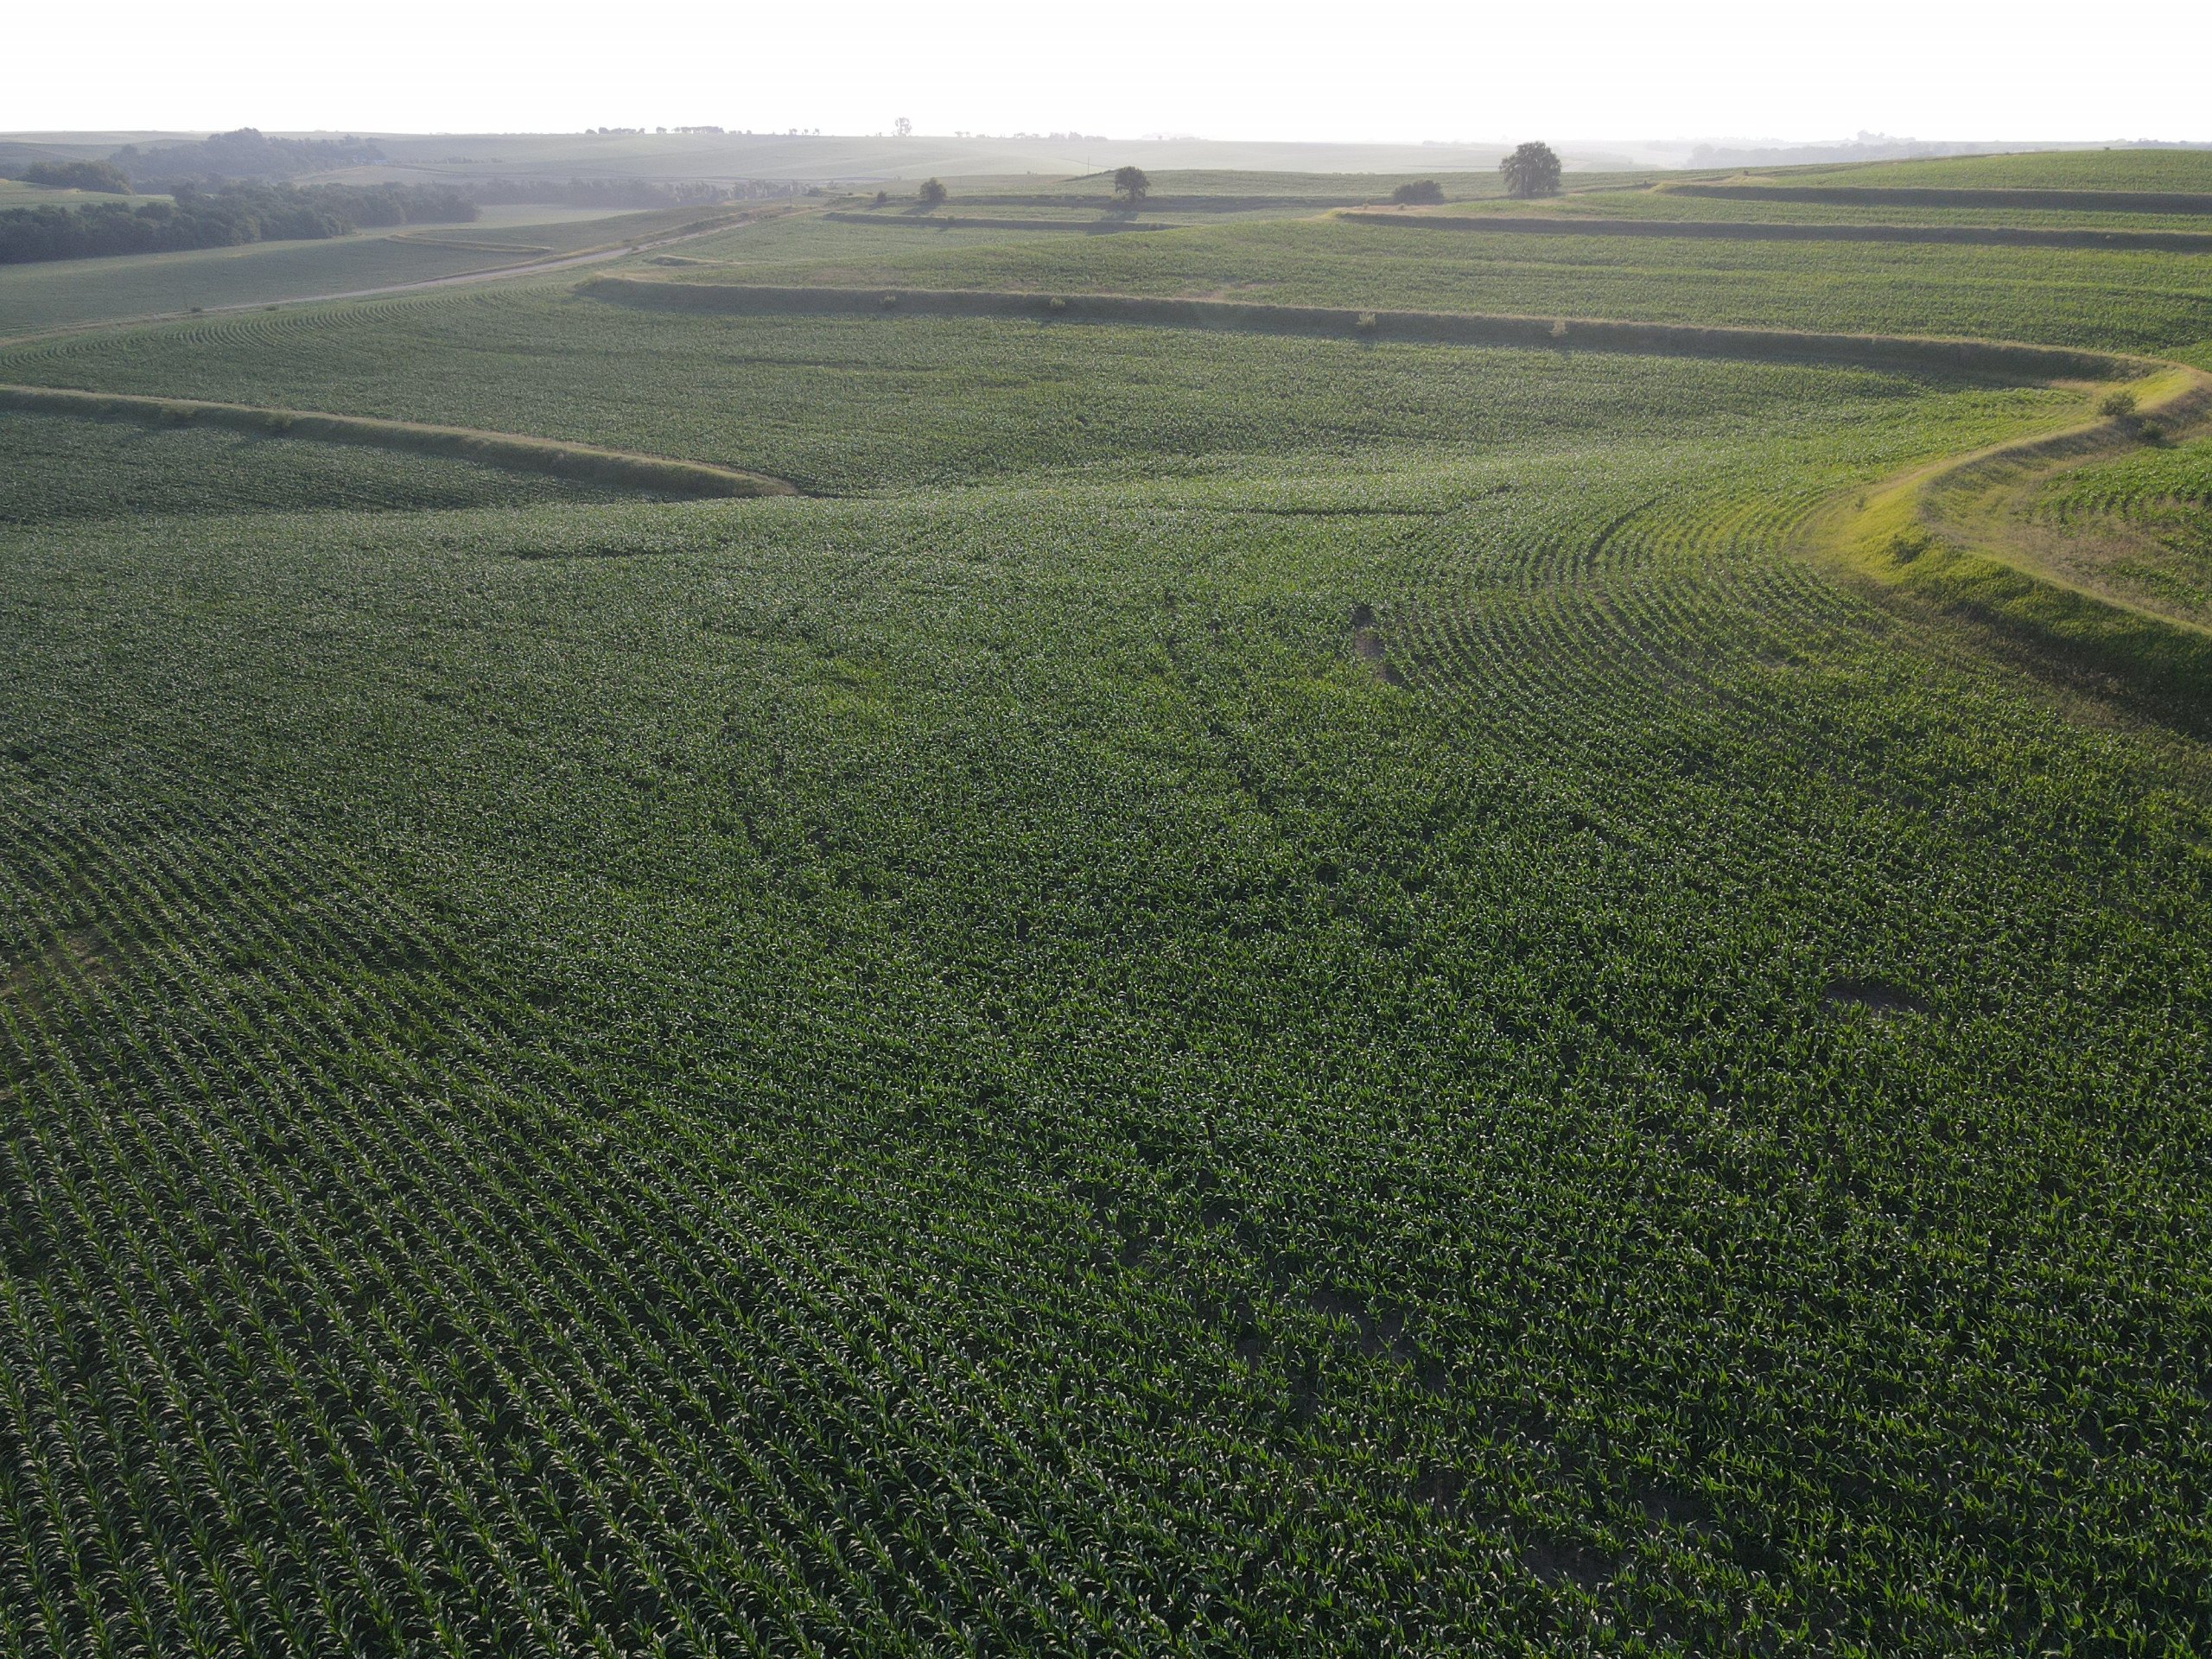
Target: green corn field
column 1224, row 994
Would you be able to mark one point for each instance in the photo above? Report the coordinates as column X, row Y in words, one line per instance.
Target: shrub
column 1366, row 323
column 1056, row 305
column 2118, row 404
column 1418, row 193
column 2151, row 432
column 934, row 195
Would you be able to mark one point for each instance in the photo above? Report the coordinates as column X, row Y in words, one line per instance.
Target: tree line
column 103, row 177
column 247, row 153
column 228, row 217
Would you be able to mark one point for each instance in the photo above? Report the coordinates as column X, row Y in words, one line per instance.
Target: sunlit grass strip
column 1904, row 195
column 1941, row 533
column 2000, row 359
column 956, row 222
column 581, row 461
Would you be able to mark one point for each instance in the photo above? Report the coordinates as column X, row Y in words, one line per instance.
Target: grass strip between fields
column 1910, row 195
column 2013, row 236
column 956, row 222
column 1940, row 532
column 2006, row 359
column 515, row 453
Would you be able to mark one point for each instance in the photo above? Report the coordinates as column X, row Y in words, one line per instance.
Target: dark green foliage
column 225, row 218
column 1418, row 192
column 1531, row 170
column 1131, row 184
column 103, row 177
column 245, row 153
column 933, row 194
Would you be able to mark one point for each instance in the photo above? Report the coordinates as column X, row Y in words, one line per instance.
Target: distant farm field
column 70, row 292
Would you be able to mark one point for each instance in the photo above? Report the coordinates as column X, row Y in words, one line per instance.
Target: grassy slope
column 2077, row 169
column 61, row 469
column 15, row 193
column 2155, row 508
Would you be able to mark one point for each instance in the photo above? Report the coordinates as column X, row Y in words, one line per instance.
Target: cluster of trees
column 1418, row 193
column 236, row 213
column 103, row 177
column 247, row 153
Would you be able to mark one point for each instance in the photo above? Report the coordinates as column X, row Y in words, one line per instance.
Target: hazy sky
column 1387, row 69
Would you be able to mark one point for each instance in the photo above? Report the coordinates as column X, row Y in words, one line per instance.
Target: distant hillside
column 2124, row 168
column 245, row 153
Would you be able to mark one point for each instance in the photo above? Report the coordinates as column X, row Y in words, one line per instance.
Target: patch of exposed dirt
column 1875, row 996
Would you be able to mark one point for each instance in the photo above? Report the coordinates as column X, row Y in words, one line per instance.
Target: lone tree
column 1418, row 192
column 1531, row 170
column 934, row 195
column 1130, row 184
